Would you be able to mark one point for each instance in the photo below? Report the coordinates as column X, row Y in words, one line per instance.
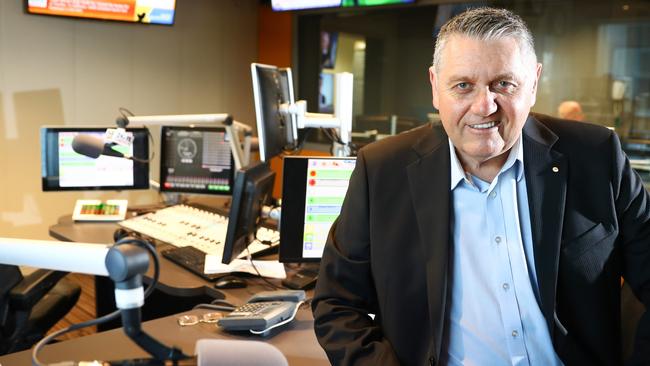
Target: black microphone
column 93, row 146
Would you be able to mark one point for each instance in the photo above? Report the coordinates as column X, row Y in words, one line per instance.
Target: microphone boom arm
column 125, row 264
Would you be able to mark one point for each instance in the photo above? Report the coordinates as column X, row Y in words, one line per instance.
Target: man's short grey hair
column 485, row 24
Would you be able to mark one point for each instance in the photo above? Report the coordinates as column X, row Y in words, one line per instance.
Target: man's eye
column 462, row 86
column 504, row 84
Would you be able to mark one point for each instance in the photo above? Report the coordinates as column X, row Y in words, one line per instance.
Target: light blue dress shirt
column 493, row 314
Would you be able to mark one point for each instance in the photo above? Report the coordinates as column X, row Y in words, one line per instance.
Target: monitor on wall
column 134, row 11
column 349, row 3
column 62, row 169
column 280, row 5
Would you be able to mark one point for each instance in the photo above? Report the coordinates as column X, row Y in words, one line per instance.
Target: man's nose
column 484, row 103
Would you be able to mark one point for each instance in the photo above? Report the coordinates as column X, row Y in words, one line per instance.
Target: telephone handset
column 264, row 311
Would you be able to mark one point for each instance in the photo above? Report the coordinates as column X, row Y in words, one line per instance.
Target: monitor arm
column 341, row 120
column 233, row 129
column 125, row 264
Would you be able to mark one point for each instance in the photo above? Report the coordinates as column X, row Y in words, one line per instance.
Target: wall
column 59, row 71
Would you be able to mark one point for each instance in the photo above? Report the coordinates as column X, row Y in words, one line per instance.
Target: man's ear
column 538, row 73
column 434, row 87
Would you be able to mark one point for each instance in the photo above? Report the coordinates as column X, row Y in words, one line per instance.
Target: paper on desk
column 270, row 269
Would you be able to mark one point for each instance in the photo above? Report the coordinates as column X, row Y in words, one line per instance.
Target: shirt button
column 506, row 286
column 515, row 334
column 493, row 194
column 497, row 239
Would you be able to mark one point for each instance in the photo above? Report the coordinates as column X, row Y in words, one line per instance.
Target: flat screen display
column 348, row 3
column 273, row 86
column 313, row 191
column 196, row 160
column 281, row 5
column 136, row 11
column 63, row 169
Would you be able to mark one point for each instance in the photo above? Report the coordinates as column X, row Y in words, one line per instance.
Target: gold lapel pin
column 555, row 169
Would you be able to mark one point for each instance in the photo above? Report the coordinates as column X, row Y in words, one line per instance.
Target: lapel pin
column 555, row 169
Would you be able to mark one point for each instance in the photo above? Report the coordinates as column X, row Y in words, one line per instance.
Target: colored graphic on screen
column 137, row 11
column 303, row 4
column 373, row 2
column 196, row 160
column 76, row 170
column 327, row 183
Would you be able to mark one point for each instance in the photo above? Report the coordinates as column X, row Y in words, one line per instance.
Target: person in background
column 497, row 238
column 570, row 109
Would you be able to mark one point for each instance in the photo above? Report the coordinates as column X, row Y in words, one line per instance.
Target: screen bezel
column 292, row 222
column 163, row 152
column 140, row 169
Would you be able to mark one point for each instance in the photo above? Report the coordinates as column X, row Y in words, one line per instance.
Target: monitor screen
column 273, row 86
column 313, row 190
column 63, row 169
column 196, row 159
column 253, row 189
column 348, row 3
column 281, row 5
column 136, row 11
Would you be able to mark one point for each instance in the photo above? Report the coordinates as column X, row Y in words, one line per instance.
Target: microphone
column 93, row 146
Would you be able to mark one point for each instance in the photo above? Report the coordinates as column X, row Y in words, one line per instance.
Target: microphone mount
column 125, row 264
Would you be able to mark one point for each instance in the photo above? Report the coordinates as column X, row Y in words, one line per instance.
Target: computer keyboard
column 184, row 225
column 192, row 259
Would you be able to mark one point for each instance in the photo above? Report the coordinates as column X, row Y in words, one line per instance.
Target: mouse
column 227, row 282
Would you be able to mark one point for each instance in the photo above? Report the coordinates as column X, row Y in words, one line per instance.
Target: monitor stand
column 304, row 278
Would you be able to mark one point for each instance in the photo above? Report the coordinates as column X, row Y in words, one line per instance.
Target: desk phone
column 264, row 311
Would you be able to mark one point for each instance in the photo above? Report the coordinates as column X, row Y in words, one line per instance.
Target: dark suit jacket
column 388, row 252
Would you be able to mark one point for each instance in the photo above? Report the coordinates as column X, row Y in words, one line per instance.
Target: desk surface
column 296, row 341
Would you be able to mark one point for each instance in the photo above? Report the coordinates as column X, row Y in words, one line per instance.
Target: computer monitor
column 273, row 86
column 62, row 169
column 196, row 159
column 313, row 190
column 252, row 190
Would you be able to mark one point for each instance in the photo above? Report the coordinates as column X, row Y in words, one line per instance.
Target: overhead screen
column 281, row 5
column 62, row 169
column 135, row 11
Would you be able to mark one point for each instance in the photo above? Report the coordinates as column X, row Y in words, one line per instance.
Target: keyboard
column 191, row 259
column 190, row 226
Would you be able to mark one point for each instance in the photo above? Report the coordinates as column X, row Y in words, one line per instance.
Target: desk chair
column 31, row 305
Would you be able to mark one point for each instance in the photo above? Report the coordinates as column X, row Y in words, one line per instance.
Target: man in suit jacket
column 498, row 238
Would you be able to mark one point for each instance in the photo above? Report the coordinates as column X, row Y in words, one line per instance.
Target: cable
column 250, row 259
column 50, row 337
column 293, row 316
column 214, row 307
column 123, row 121
column 108, row 317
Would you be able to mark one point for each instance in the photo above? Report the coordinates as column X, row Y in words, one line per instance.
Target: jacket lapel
column 429, row 178
column 546, row 176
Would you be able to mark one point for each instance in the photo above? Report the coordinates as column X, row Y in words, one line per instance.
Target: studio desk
column 181, row 289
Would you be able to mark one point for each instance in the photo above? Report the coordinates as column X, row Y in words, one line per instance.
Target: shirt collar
column 515, row 157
